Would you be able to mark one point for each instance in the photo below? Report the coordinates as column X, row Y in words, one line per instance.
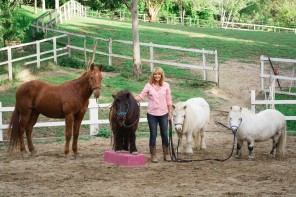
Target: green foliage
column 13, row 25
column 104, row 133
column 287, row 110
column 71, row 62
column 107, row 68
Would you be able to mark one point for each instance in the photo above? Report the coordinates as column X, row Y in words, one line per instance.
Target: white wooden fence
column 188, row 21
column 39, row 56
column 67, row 51
column 63, row 13
column 266, row 76
column 255, row 102
column 93, row 119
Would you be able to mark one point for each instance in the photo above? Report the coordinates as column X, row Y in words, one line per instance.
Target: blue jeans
column 153, row 121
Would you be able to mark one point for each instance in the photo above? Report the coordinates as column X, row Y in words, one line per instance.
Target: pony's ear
column 114, row 96
column 127, row 96
column 92, row 66
column 100, row 67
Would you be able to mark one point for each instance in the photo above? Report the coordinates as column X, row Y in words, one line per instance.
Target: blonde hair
column 157, row 70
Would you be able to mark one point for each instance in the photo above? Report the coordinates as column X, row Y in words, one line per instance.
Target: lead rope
column 174, row 158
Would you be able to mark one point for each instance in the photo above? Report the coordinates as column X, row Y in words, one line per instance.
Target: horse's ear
column 92, row 66
column 114, row 96
column 100, row 67
column 230, row 108
column 240, row 108
column 174, row 106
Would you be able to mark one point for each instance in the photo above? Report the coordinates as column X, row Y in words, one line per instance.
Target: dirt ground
column 51, row 174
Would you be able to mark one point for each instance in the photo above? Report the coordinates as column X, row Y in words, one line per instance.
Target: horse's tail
column 282, row 141
column 13, row 130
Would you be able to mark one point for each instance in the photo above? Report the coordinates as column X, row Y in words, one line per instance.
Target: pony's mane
column 121, row 94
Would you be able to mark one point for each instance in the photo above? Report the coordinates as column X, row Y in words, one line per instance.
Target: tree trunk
column 136, row 43
column 35, row 6
column 153, row 9
column 43, row 5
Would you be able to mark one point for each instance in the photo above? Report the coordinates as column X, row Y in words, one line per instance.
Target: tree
column 136, row 43
column 10, row 27
column 136, row 51
column 153, row 7
column 230, row 8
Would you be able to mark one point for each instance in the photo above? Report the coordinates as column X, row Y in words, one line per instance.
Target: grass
column 231, row 44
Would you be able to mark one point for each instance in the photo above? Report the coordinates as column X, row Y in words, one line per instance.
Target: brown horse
column 124, row 119
column 68, row 101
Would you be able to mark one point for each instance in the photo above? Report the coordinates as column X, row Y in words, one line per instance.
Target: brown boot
column 153, row 154
column 166, row 155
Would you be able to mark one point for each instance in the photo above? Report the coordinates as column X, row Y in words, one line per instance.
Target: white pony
column 250, row 127
column 190, row 119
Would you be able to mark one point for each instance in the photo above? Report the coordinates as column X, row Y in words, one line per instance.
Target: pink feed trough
column 125, row 159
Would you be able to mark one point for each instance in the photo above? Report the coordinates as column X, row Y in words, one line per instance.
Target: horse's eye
column 91, row 77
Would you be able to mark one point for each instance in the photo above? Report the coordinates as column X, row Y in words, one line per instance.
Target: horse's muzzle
column 234, row 129
column 97, row 94
column 178, row 128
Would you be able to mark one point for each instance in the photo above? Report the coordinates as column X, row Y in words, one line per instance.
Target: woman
column 158, row 111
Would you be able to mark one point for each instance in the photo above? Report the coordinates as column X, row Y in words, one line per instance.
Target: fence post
column 50, row 20
column 69, row 43
column 253, row 99
column 110, row 51
column 55, row 59
column 262, row 72
column 1, row 124
column 38, row 53
column 151, row 57
column 217, row 67
column 9, row 59
column 204, row 65
column 93, row 116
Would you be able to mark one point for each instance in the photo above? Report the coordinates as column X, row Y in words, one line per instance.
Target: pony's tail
column 13, row 130
column 282, row 141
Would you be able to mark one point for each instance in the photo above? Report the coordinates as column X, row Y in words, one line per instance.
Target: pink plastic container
column 125, row 159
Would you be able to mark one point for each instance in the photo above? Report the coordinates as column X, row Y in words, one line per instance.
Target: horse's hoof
column 203, row 149
column 189, row 152
column 34, row 153
column 24, row 155
column 251, row 158
column 237, row 156
column 272, row 156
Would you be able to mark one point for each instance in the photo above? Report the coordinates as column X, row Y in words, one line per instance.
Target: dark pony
column 124, row 119
column 68, row 101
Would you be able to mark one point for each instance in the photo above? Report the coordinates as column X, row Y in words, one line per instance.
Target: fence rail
column 255, row 102
column 203, row 65
column 93, row 119
column 188, row 21
column 267, row 76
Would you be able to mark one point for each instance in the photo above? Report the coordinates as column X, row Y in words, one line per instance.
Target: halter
column 236, row 127
column 96, row 87
column 123, row 113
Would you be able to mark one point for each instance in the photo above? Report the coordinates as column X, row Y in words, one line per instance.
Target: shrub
column 71, row 62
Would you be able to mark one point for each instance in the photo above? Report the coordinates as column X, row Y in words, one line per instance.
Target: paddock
column 50, row 174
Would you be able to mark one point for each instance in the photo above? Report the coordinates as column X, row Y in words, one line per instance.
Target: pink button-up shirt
column 158, row 99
